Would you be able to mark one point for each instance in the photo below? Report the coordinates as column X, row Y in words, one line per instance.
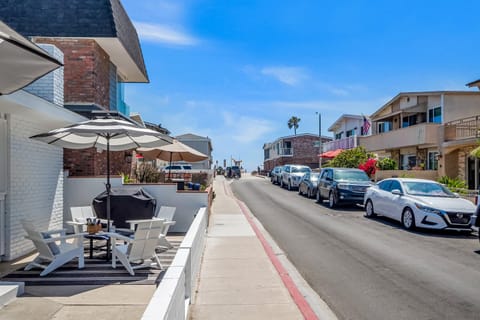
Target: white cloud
column 245, row 129
column 288, row 75
column 164, row 34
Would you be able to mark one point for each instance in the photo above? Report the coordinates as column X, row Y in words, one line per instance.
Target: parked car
column 276, row 174
column 308, row 184
column 342, row 185
column 419, row 203
column 291, row 175
column 176, row 167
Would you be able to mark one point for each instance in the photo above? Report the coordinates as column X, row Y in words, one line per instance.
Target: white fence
column 176, row 291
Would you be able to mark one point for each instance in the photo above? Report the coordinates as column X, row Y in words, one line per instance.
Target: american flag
column 366, row 125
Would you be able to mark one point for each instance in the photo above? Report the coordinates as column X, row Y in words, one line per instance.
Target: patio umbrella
column 21, row 61
column 176, row 151
column 105, row 134
column 331, row 154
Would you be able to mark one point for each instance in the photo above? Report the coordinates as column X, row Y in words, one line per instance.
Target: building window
column 408, row 161
column 350, row 133
column 432, row 160
column 338, row 136
column 384, row 126
column 435, row 115
column 409, row 121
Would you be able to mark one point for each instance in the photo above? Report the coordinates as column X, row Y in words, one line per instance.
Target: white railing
column 175, row 293
column 345, row 144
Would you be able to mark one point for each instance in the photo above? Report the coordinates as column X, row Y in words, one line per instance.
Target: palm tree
column 293, row 123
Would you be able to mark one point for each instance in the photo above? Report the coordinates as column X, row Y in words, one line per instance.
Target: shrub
column 369, row 166
column 350, row 158
column 146, row 173
column 453, row 183
column 387, row 164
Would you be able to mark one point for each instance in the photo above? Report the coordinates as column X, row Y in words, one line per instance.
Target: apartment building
column 201, row 144
column 346, row 130
column 295, row 149
column 429, row 131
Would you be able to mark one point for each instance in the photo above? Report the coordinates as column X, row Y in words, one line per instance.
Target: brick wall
column 87, row 77
column 36, row 186
column 86, row 71
column 89, row 162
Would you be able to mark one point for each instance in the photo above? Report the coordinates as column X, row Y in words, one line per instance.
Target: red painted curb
column 297, row 296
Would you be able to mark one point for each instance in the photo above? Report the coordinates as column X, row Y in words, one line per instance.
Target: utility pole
column 319, row 140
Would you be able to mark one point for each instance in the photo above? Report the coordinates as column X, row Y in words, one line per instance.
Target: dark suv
column 342, row 185
column 236, row 173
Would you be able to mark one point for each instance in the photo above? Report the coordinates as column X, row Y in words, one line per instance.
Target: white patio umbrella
column 177, row 151
column 21, row 61
column 105, row 134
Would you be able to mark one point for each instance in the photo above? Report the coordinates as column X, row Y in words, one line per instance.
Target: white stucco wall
column 80, row 191
column 36, row 184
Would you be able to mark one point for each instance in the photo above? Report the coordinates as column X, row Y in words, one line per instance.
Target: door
column 392, row 205
column 473, row 173
column 326, row 179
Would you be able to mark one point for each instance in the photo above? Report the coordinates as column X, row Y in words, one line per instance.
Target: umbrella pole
column 108, row 186
column 170, row 169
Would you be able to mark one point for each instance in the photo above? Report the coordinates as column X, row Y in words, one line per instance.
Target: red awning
column 331, row 153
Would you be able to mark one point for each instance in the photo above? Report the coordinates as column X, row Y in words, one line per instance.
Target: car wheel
column 369, row 212
column 300, row 190
column 318, row 197
column 408, row 219
column 309, row 194
column 289, row 186
column 332, row 200
column 281, row 184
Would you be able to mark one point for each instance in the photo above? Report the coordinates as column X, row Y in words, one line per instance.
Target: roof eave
column 127, row 68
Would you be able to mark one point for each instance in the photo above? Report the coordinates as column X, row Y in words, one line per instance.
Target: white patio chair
column 138, row 252
column 79, row 218
column 166, row 213
column 53, row 251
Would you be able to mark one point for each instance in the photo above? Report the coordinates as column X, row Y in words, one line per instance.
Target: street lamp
column 319, row 140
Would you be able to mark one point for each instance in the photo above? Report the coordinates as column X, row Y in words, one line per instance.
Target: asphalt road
column 369, row 268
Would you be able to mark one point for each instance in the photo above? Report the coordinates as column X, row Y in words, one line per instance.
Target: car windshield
column 301, row 169
column 429, row 189
column 351, row 175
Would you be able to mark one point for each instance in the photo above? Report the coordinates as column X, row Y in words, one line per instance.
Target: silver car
column 291, row 175
column 419, row 203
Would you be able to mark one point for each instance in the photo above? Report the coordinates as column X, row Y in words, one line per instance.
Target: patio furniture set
column 137, row 247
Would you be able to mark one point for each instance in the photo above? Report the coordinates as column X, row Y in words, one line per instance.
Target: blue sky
column 236, row 71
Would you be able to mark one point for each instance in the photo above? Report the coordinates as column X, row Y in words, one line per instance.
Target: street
column 369, row 268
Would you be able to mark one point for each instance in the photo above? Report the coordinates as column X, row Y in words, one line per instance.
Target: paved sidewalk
column 237, row 279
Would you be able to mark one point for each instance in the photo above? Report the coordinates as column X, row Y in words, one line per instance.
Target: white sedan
column 419, row 203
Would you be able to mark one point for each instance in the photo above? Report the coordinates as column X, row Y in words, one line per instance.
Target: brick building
column 297, row 149
column 101, row 52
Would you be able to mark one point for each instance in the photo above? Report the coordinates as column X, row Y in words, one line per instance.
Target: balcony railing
column 417, row 135
column 345, row 144
column 466, row 128
column 282, row 152
column 286, row 152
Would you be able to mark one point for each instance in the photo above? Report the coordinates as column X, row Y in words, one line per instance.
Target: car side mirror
column 397, row 192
